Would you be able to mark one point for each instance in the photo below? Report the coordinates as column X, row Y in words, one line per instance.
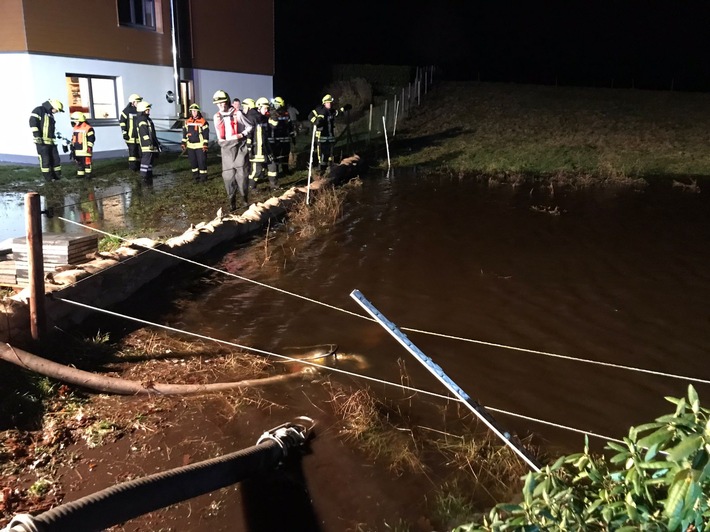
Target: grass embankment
column 496, row 128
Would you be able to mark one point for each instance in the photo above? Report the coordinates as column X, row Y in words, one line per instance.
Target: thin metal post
column 35, row 262
column 310, row 166
column 387, row 144
column 385, row 114
column 396, row 112
column 369, row 126
column 436, row 370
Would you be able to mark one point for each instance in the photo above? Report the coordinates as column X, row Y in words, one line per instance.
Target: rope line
column 335, row 370
column 241, row 278
column 256, row 350
column 420, row 331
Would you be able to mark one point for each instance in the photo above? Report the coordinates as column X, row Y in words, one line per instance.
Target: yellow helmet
column 249, row 102
column 135, row 97
column 262, row 101
column 142, row 106
column 78, row 116
column 195, row 107
column 220, row 96
column 328, row 98
column 278, row 102
column 56, row 104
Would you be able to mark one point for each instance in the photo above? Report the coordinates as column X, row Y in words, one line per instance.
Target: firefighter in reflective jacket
column 43, row 130
column 323, row 119
column 82, row 143
column 195, row 139
column 282, row 134
column 128, row 128
column 150, row 147
column 262, row 158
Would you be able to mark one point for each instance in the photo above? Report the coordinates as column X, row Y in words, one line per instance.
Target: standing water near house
column 612, row 275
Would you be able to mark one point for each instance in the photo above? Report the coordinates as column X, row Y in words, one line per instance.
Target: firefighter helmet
column 278, row 102
column 143, row 106
column 135, row 97
column 262, row 101
column 194, row 107
column 328, row 98
column 249, row 102
column 78, row 116
column 220, row 97
column 56, row 104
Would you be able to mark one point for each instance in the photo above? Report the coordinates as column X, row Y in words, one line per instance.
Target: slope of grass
column 494, row 128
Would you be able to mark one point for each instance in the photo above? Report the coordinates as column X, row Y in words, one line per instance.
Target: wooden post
column 35, row 262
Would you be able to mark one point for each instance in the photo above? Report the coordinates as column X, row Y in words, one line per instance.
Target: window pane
column 149, row 17
column 78, row 94
column 104, row 94
column 124, row 12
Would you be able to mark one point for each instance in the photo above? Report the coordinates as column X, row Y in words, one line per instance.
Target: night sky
column 644, row 44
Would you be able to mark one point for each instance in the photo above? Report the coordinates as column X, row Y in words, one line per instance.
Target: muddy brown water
column 613, row 275
column 618, row 276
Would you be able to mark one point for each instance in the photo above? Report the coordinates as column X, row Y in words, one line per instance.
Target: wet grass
column 606, row 134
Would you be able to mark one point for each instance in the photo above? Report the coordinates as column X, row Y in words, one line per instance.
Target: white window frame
column 93, row 109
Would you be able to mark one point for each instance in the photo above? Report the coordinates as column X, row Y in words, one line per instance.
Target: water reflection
column 87, row 204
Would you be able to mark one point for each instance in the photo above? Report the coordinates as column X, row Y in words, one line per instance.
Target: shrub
column 357, row 92
column 657, row 480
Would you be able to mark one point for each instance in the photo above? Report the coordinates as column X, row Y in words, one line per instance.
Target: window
column 139, row 13
column 93, row 95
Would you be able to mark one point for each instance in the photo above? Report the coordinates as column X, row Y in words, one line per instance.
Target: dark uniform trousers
column 49, row 162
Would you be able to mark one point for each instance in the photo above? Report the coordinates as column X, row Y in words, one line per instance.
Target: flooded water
column 88, row 205
column 619, row 277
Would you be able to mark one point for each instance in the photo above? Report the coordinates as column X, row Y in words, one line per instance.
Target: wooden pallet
column 57, row 250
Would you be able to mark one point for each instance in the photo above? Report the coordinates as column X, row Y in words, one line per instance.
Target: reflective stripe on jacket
column 42, row 124
column 82, row 140
column 128, row 124
column 196, row 133
column 146, row 133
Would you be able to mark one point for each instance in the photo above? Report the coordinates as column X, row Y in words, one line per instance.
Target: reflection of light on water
column 90, row 206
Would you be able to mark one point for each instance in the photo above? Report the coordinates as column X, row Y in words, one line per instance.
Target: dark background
column 660, row 45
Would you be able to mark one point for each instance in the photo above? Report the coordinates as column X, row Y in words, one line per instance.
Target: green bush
column 657, row 480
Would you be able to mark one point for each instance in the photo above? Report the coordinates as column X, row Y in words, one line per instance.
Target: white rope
column 430, row 333
column 263, row 285
column 565, row 357
column 336, row 370
column 256, row 350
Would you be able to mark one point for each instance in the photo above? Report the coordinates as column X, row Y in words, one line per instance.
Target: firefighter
column 283, row 134
column 128, row 128
column 43, row 125
column 82, row 144
column 323, row 119
column 149, row 145
column 262, row 158
column 249, row 110
column 195, row 139
column 232, row 130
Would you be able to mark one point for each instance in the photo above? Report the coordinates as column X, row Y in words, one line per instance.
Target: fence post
column 35, row 262
column 369, row 126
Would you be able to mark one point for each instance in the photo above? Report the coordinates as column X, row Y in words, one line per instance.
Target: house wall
column 12, row 24
column 246, row 44
column 39, row 77
column 91, row 29
column 50, row 27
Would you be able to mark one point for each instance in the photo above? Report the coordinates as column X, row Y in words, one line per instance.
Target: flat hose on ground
column 120, row 386
column 131, row 499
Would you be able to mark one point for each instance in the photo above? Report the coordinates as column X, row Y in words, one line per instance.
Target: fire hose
column 133, row 498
